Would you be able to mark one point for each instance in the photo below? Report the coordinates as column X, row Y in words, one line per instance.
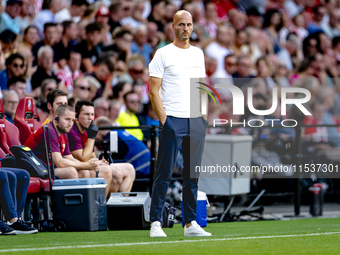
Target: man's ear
column 49, row 106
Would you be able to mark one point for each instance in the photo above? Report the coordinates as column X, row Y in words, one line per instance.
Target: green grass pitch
column 305, row 236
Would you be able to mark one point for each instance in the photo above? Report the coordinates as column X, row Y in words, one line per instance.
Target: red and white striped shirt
column 67, row 77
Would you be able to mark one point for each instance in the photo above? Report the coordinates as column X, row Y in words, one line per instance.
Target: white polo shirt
column 176, row 66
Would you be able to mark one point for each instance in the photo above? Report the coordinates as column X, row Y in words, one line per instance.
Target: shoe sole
column 9, row 233
column 157, row 236
column 19, row 232
column 198, row 235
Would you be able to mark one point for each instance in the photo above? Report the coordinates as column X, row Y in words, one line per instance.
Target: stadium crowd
column 94, row 56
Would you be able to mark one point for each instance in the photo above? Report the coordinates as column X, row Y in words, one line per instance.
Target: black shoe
column 21, row 228
column 6, row 230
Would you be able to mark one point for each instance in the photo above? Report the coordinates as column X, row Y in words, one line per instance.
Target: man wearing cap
column 13, row 8
column 102, row 17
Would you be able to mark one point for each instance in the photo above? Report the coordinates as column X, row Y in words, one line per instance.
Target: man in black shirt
column 115, row 15
column 44, row 71
column 68, row 40
column 89, row 48
column 50, row 32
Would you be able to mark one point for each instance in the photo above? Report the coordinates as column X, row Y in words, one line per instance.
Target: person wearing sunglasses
column 81, row 88
column 15, row 67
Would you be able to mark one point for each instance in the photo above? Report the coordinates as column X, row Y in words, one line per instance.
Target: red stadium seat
column 9, row 134
column 25, row 118
column 34, row 186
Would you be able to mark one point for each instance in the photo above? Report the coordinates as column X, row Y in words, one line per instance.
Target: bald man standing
column 170, row 72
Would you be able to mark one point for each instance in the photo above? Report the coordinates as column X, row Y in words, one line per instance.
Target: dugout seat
column 25, row 118
column 9, row 134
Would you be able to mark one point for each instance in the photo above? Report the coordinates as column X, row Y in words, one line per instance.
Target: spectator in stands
column 94, row 86
column 17, row 84
column 15, row 68
column 102, row 17
column 8, row 42
column 13, row 190
column 55, row 98
column 152, row 34
column 81, row 88
column 128, row 117
column 120, row 90
column 101, row 107
column 50, row 39
column 116, row 14
column 30, row 36
column 68, row 40
column 75, row 12
column 67, row 167
column 46, row 15
column 254, row 18
column 240, row 46
column 136, row 69
column 44, row 70
column 71, row 71
column 122, row 45
column 169, row 36
column 102, row 73
column 237, row 19
column 82, row 138
column 319, row 12
column 23, row 19
column 136, row 19
column 157, row 13
column 273, row 27
column 332, row 28
column 210, row 21
column 89, row 48
column 10, row 102
column 220, row 47
column 243, row 74
column 12, row 10
column 114, row 108
column 140, row 45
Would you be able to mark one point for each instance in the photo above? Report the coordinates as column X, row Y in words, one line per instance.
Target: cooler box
column 129, row 213
column 201, row 210
column 80, row 204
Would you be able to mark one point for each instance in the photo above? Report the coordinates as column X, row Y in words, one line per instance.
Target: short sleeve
column 74, row 140
column 67, row 147
column 54, row 140
column 156, row 66
column 203, row 74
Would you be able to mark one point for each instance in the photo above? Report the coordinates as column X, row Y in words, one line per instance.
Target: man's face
column 81, row 89
column 72, row 31
column 75, row 61
column 17, row 67
column 102, row 72
column 66, row 121
column 136, row 71
column 86, row 115
column 318, row 112
column 124, row 43
column 132, row 103
column 102, row 109
column 49, row 87
column 244, row 67
column 183, row 27
column 93, row 37
column 46, row 60
column 25, row 8
column 51, row 35
column 79, row 10
column 11, row 103
column 114, row 111
column 141, row 37
column 230, row 65
column 102, row 19
column 61, row 100
column 32, row 36
column 13, row 10
column 20, row 88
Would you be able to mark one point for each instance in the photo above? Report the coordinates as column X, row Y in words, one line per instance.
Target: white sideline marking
column 165, row 242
